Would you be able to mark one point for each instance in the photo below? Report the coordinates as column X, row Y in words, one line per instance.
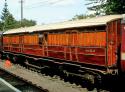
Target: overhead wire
column 38, row 4
column 43, row 3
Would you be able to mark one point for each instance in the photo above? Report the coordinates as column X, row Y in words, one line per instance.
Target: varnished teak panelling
column 78, row 39
column 112, row 43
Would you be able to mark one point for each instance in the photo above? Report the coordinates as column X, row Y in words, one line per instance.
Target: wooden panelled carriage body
column 93, row 42
column 1, row 42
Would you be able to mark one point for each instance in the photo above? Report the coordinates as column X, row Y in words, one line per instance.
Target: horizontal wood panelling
column 15, row 39
column 6, row 40
column 31, row 39
column 78, row 39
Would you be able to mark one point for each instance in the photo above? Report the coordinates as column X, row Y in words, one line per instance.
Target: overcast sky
column 46, row 11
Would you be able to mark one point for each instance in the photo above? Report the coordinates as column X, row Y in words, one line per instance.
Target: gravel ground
column 51, row 84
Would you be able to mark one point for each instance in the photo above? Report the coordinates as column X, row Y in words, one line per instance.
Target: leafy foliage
column 82, row 16
column 27, row 23
column 7, row 18
column 97, row 6
column 0, row 26
column 107, row 6
column 115, row 7
column 9, row 22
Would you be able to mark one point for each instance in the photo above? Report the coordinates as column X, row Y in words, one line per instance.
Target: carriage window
column 40, row 38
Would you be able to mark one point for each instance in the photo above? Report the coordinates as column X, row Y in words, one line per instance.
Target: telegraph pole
column 21, row 2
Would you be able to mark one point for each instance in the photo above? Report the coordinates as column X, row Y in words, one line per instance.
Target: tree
column 9, row 22
column 82, row 16
column 7, row 19
column 115, row 7
column 1, row 26
column 107, row 6
column 27, row 23
column 97, row 6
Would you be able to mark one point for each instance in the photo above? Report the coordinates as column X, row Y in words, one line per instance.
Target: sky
column 46, row 11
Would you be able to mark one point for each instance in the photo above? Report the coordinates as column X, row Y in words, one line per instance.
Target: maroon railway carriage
column 1, row 43
column 83, row 49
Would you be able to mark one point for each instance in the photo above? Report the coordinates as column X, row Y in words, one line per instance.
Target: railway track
column 41, row 81
column 18, row 82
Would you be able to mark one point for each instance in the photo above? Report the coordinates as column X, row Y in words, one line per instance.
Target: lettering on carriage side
column 123, row 56
column 90, row 50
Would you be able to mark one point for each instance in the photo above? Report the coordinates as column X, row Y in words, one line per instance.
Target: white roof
column 97, row 21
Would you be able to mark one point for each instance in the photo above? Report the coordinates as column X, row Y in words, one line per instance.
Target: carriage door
column 74, row 43
column 71, row 42
column 43, row 43
column 21, row 45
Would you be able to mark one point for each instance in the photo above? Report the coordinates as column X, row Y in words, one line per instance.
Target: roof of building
column 96, row 21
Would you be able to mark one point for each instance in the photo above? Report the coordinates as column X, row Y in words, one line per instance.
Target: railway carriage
column 78, row 50
column 1, row 44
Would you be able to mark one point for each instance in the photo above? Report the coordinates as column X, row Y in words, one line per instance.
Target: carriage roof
column 89, row 22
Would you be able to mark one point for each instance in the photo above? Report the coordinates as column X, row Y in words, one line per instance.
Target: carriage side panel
column 82, row 47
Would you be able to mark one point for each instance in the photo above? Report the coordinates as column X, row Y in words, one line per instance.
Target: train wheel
column 71, row 79
column 61, row 75
column 90, row 86
column 66, row 76
column 51, row 72
column 88, row 81
column 77, row 80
